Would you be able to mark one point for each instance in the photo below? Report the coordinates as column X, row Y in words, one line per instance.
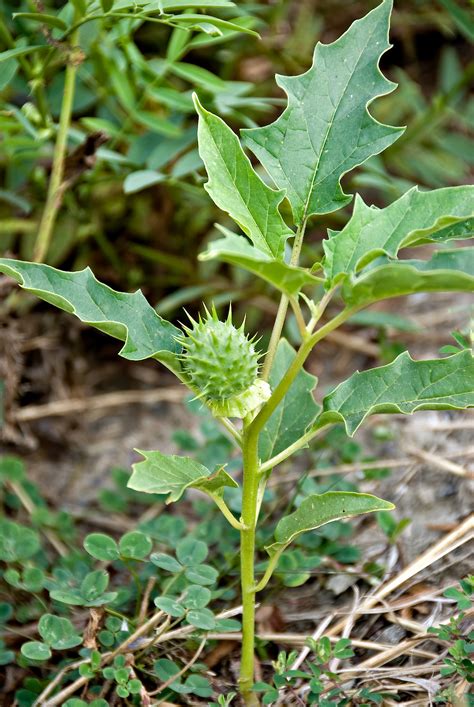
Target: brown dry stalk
column 377, row 464
column 96, row 402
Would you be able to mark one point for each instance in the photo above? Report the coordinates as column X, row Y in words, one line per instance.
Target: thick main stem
column 53, row 200
column 247, row 560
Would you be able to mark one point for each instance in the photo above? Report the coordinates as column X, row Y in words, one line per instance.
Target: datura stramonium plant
column 271, row 413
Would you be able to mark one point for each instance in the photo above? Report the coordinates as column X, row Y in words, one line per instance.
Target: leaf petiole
column 227, row 513
column 272, row 564
column 303, row 441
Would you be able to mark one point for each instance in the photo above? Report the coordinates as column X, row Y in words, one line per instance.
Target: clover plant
column 265, row 399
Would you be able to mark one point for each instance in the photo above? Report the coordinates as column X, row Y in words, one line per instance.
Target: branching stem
column 289, row 451
column 303, row 352
column 283, row 307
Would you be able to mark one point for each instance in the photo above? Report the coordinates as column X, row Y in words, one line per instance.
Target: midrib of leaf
column 233, row 178
column 313, row 179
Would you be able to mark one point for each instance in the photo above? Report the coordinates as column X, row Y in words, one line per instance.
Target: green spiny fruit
column 222, row 363
column 219, row 358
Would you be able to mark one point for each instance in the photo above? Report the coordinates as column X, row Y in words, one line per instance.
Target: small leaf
column 127, row 317
column 135, row 686
column 201, row 618
column 199, row 685
column 58, row 632
column 319, row 509
column 107, row 5
column 165, row 669
column 209, row 24
column 198, row 75
column 33, row 579
column 42, row 18
column 236, row 250
column 94, row 585
column 165, row 562
column 417, row 217
column 202, row 574
column 135, row 545
column 142, row 179
column 35, row 650
column 12, row 468
column 65, row 596
column 462, row 600
column 22, row 51
column 326, row 129
column 17, row 543
column 447, row 271
column 172, row 5
column 403, row 386
column 235, row 187
column 196, row 597
column 297, row 410
column 101, row 546
column 164, row 473
column 169, row 606
column 191, row 552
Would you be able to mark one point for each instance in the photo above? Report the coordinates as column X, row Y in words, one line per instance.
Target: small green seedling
column 267, row 406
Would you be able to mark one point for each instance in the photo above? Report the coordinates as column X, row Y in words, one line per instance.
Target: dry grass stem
column 357, row 466
column 98, row 402
column 463, row 533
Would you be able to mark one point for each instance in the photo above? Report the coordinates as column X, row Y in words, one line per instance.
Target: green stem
column 247, row 561
column 283, row 307
column 289, row 451
column 250, row 501
column 303, row 352
column 53, row 200
column 275, row 337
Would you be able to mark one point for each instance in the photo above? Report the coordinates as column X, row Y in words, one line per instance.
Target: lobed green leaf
column 125, row 316
column 236, row 188
column 403, row 386
column 447, row 271
column 319, row 509
column 326, row 129
column 417, row 217
column 165, row 473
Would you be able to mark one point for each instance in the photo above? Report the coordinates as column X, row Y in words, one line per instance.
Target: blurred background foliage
column 132, row 204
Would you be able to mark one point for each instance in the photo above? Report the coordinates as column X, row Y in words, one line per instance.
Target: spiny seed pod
column 222, row 363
